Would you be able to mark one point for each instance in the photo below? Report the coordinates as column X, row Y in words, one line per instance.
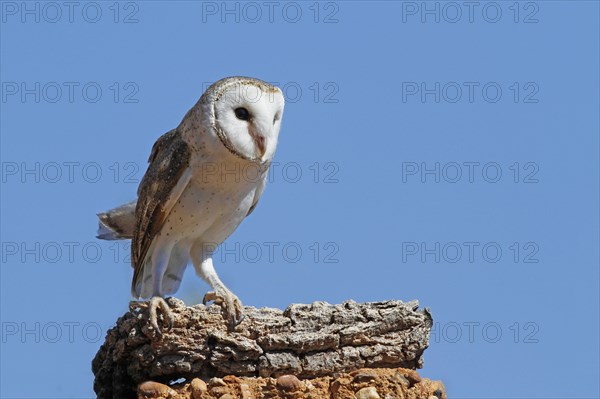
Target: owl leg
column 159, row 262
column 222, row 296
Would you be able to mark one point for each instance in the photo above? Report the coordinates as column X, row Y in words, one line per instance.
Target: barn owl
column 197, row 190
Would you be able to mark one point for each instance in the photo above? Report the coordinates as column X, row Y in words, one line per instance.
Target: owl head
column 245, row 114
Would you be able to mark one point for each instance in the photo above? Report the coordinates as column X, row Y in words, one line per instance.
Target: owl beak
column 259, row 141
column 260, row 144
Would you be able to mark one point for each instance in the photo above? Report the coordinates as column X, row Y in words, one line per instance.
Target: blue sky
column 441, row 151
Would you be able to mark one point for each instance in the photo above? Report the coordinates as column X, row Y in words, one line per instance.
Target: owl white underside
column 208, row 211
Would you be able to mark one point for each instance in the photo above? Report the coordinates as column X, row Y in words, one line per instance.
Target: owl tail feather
column 117, row 223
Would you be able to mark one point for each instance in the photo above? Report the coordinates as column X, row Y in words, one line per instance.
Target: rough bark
column 306, row 341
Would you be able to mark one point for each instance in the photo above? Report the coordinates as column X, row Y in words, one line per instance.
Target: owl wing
column 167, row 176
column 258, row 193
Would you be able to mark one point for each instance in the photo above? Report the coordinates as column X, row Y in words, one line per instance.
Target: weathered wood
column 307, row 341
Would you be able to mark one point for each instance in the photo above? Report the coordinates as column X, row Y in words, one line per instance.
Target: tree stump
column 341, row 350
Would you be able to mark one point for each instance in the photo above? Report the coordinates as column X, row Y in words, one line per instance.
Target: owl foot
column 231, row 305
column 154, row 305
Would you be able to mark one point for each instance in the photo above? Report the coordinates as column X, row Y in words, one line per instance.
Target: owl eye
column 242, row 113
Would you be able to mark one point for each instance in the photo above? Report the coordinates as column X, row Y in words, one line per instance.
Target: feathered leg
column 158, row 264
column 222, row 296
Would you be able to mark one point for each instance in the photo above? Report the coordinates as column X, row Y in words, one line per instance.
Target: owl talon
column 236, row 322
column 231, row 305
column 212, row 296
column 154, row 305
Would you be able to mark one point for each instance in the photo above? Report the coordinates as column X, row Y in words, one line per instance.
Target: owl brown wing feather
column 162, row 142
column 167, row 176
